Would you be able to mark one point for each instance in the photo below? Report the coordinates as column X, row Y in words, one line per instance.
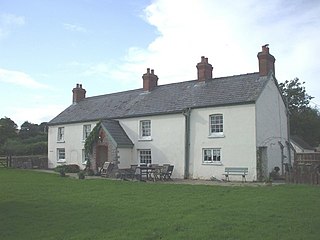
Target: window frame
column 61, row 160
column 85, row 132
column 143, row 130
column 60, row 134
column 85, row 157
column 147, row 155
column 216, row 126
column 213, row 154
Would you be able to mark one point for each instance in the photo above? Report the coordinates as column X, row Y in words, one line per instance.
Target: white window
column 60, row 136
column 85, row 157
column 145, row 129
column 145, row 156
column 211, row 155
column 216, row 125
column 86, row 131
column 61, row 155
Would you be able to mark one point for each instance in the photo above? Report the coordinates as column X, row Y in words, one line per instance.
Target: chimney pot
column 266, row 61
column 150, row 81
column 78, row 93
column 204, row 69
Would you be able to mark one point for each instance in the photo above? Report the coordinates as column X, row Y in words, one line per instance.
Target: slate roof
column 114, row 129
column 163, row 99
column 300, row 142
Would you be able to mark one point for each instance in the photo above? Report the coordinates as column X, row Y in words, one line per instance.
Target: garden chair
column 106, row 169
column 166, row 174
column 128, row 172
column 157, row 174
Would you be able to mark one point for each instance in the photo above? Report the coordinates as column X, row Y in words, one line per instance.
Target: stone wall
column 32, row 161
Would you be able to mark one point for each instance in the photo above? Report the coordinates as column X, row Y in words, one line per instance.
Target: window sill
column 60, row 141
column 213, row 163
column 216, row 135
column 61, row 161
column 145, row 139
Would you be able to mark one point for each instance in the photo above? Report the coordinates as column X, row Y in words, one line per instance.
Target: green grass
column 36, row 205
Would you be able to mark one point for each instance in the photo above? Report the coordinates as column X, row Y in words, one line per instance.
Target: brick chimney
column 266, row 61
column 204, row 69
column 150, row 80
column 78, row 93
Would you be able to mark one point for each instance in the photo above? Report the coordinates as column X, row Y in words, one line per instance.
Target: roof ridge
column 168, row 84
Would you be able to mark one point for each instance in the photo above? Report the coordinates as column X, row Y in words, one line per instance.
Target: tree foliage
column 32, row 139
column 8, row 129
column 295, row 94
column 304, row 120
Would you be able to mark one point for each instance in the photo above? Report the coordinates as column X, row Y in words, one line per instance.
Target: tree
column 295, row 94
column 304, row 120
column 8, row 129
column 29, row 129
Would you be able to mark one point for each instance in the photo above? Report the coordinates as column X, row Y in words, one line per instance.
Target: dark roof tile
column 169, row 98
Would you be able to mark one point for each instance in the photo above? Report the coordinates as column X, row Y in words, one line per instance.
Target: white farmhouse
column 201, row 127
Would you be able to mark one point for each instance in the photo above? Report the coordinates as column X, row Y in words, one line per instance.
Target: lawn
column 36, row 205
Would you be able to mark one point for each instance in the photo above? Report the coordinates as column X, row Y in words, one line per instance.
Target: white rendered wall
column 238, row 146
column 125, row 157
column 272, row 124
column 167, row 140
column 73, row 143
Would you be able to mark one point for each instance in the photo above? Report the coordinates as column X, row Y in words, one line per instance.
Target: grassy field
column 36, row 205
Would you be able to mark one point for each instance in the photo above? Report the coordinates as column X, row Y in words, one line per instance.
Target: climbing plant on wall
column 92, row 138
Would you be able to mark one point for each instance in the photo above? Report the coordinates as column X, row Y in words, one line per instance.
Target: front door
column 101, row 157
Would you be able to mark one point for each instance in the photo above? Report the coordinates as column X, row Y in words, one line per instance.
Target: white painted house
column 200, row 126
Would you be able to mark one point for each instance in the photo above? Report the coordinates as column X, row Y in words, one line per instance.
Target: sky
column 48, row 46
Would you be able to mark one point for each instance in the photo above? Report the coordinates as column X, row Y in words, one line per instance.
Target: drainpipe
column 288, row 133
column 186, row 112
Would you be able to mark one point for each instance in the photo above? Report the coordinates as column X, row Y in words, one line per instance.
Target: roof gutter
column 186, row 112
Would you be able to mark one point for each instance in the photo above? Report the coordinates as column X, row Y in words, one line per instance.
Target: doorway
column 101, row 156
column 262, row 164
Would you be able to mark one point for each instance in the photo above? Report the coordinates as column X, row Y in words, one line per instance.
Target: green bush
column 70, row 168
column 81, row 175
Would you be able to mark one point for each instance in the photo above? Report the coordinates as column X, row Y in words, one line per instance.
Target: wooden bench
column 243, row 171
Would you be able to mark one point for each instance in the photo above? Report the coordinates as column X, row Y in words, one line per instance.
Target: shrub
column 81, row 175
column 90, row 172
column 70, row 168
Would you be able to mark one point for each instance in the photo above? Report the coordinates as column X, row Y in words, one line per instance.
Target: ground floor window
column 61, row 155
column 211, row 155
column 85, row 157
column 145, row 156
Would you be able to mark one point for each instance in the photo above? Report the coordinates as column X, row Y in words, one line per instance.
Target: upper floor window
column 145, row 156
column 86, row 131
column 216, row 125
column 60, row 136
column 145, row 129
column 61, row 155
column 211, row 155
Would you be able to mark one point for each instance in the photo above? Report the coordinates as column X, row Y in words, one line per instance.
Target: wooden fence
column 4, row 161
column 306, row 169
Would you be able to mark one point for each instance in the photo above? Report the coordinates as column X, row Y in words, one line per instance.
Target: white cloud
column 19, row 78
column 230, row 34
column 74, row 28
column 8, row 22
column 37, row 114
